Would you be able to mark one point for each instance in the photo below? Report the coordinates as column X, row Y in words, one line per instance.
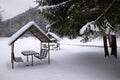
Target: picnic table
column 29, row 53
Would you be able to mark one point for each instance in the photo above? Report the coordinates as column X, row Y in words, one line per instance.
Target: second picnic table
column 29, row 53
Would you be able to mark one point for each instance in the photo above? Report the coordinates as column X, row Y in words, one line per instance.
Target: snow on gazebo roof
column 53, row 35
column 34, row 29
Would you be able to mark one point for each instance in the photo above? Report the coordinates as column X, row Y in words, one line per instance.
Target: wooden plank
column 48, row 53
column 40, row 47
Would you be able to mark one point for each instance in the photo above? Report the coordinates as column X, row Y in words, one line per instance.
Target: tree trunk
column 114, row 45
column 105, row 46
column 109, row 40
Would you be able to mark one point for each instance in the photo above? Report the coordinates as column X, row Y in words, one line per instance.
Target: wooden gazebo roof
column 34, row 29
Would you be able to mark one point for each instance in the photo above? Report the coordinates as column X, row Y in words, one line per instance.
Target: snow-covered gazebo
column 54, row 38
column 36, row 31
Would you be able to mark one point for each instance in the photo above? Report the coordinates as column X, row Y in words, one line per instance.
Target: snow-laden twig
column 49, row 25
column 90, row 26
column 41, row 8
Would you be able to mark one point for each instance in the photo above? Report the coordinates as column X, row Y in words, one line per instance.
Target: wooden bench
column 42, row 55
column 15, row 59
column 18, row 59
column 44, row 46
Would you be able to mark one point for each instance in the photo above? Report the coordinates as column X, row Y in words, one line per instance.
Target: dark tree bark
column 105, row 46
column 114, row 45
column 109, row 40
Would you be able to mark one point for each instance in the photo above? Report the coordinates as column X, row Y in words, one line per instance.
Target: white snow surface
column 54, row 35
column 23, row 29
column 73, row 61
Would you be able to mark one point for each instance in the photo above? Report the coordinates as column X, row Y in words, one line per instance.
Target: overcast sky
column 12, row 8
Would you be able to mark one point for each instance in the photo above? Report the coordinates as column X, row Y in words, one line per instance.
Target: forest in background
column 10, row 26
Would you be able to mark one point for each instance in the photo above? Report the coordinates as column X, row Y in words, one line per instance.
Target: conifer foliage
column 67, row 17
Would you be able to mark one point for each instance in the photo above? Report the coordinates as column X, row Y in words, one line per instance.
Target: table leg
column 32, row 59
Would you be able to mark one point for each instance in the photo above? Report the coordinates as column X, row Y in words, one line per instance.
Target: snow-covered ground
column 72, row 62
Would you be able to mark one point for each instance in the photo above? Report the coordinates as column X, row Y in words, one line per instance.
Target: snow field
column 72, row 62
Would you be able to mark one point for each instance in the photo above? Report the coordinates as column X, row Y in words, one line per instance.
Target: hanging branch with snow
column 46, row 7
column 92, row 30
column 89, row 31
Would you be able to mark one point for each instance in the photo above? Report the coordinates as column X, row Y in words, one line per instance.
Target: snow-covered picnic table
column 29, row 53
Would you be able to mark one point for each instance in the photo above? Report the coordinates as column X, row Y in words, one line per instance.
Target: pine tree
column 69, row 16
column 110, row 14
column 106, row 24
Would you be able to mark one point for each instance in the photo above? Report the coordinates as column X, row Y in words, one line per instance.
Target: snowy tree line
column 12, row 25
column 0, row 20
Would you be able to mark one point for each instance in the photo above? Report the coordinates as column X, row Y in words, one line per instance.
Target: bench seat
column 18, row 59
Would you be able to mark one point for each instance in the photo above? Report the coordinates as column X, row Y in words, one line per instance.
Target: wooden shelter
column 55, row 39
column 53, row 36
column 36, row 31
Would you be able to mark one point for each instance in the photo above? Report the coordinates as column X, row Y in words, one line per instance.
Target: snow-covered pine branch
column 92, row 30
column 41, row 8
column 110, row 30
column 50, row 24
column 89, row 31
column 89, row 26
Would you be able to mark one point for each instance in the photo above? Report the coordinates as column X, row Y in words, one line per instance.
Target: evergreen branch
column 53, row 6
column 50, row 25
column 106, row 10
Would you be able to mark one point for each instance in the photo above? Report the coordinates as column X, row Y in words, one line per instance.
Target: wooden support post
column 48, row 53
column 32, row 59
column 12, row 55
column 105, row 46
column 109, row 39
column 114, row 46
column 40, row 47
column 59, row 45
